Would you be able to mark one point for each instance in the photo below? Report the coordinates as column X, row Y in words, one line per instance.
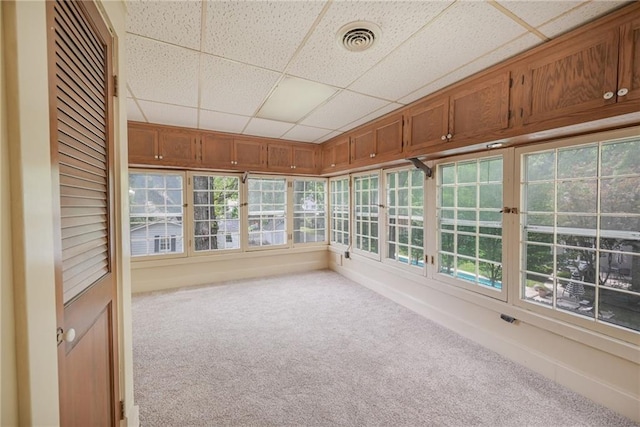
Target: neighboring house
column 156, row 238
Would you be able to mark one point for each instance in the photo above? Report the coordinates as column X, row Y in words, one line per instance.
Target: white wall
column 154, row 275
column 25, row 109
column 602, row 369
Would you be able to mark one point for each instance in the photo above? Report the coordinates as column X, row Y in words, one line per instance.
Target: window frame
column 185, row 232
column 288, row 219
column 291, row 199
column 503, row 293
column 425, row 216
column 191, row 209
column 608, row 329
column 333, row 243
column 353, row 199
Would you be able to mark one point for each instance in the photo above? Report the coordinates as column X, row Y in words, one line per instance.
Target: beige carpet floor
column 317, row 349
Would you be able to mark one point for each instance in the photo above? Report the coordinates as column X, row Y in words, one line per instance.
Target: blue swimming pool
column 481, row 280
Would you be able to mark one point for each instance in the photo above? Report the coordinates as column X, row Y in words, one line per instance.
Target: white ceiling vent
column 358, row 36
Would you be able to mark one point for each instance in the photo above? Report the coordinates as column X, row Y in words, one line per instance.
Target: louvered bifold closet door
column 82, row 150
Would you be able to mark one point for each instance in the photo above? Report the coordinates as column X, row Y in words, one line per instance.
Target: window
column 366, row 208
column 155, row 213
column 309, row 212
column 405, row 217
column 267, row 211
column 340, row 211
column 216, row 219
column 470, row 221
column 580, row 230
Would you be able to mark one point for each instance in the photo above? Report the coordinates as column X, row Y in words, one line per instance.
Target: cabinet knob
column 333, row 165
column 292, row 167
column 449, row 136
column 155, row 157
column 608, row 95
column 443, row 137
column 623, row 91
column 160, row 157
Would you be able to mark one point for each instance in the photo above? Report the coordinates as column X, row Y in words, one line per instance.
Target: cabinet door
column 629, row 71
column 216, row 152
column 177, row 148
column 248, row 154
column 363, row 146
column 578, row 77
column 279, row 157
column 341, row 152
column 304, row 159
column 427, row 123
column 388, row 137
column 143, row 145
column 480, row 108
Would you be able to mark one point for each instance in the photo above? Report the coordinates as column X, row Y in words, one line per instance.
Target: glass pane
column 621, row 158
column 467, row 172
column 620, row 308
column 539, row 259
column 447, row 174
column 577, row 196
column 467, row 245
column 579, row 162
column 491, row 196
column 539, row 197
column 467, row 196
column 539, row 167
column 620, row 195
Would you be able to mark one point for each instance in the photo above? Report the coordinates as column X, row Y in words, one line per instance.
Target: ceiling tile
column 176, row 22
column 397, row 21
column 466, row 31
column 170, row 114
column 305, row 133
column 536, row 13
column 263, row 33
column 232, row 87
column 579, row 16
column 380, row 112
column 133, row 112
column 267, row 128
column 328, row 137
column 521, row 44
column 162, row 72
column 223, row 122
column 343, row 109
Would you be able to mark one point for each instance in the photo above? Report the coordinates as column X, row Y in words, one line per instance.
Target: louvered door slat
column 71, row 30
column 82, row 153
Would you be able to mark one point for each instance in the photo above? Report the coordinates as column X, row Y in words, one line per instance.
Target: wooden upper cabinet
column 479, row 108
column 573, row 77
column 304, row 158
column 143, row 145
column 427, row 124
column 178, row 148
column 279, row 157
column 248, row 154
column 335, row 154
column 629, row 62
column 216, row 152
column 379, row 141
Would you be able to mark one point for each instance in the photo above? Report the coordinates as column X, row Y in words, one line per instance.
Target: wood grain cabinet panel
column 577, row 76
column 377, row 142
column 143, row 145
column 480, row 108
column 178, row 148
column 427, row 124
column 305, row 159
column 248, row 154
column 279, row 157
column 216, row 152
column 629, row 62
column 335, row 154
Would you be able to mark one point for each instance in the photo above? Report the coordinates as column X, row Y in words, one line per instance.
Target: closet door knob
column 623, row 91
column 608, row 95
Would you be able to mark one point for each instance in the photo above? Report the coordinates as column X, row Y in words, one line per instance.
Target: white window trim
column 288, row 216
column 607, row 329
column 507, row 257
column 185, row 225
column 327, row 220
column 352, row 223
column 422, row 271
column 191, row 223
column 342, row 246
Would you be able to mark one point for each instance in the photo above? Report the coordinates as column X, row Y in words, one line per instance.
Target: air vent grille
column 358, row 36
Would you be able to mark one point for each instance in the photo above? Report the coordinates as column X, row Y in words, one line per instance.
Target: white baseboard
column 132, row 417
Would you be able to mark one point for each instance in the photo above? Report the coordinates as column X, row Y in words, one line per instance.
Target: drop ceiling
column 214, row 64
